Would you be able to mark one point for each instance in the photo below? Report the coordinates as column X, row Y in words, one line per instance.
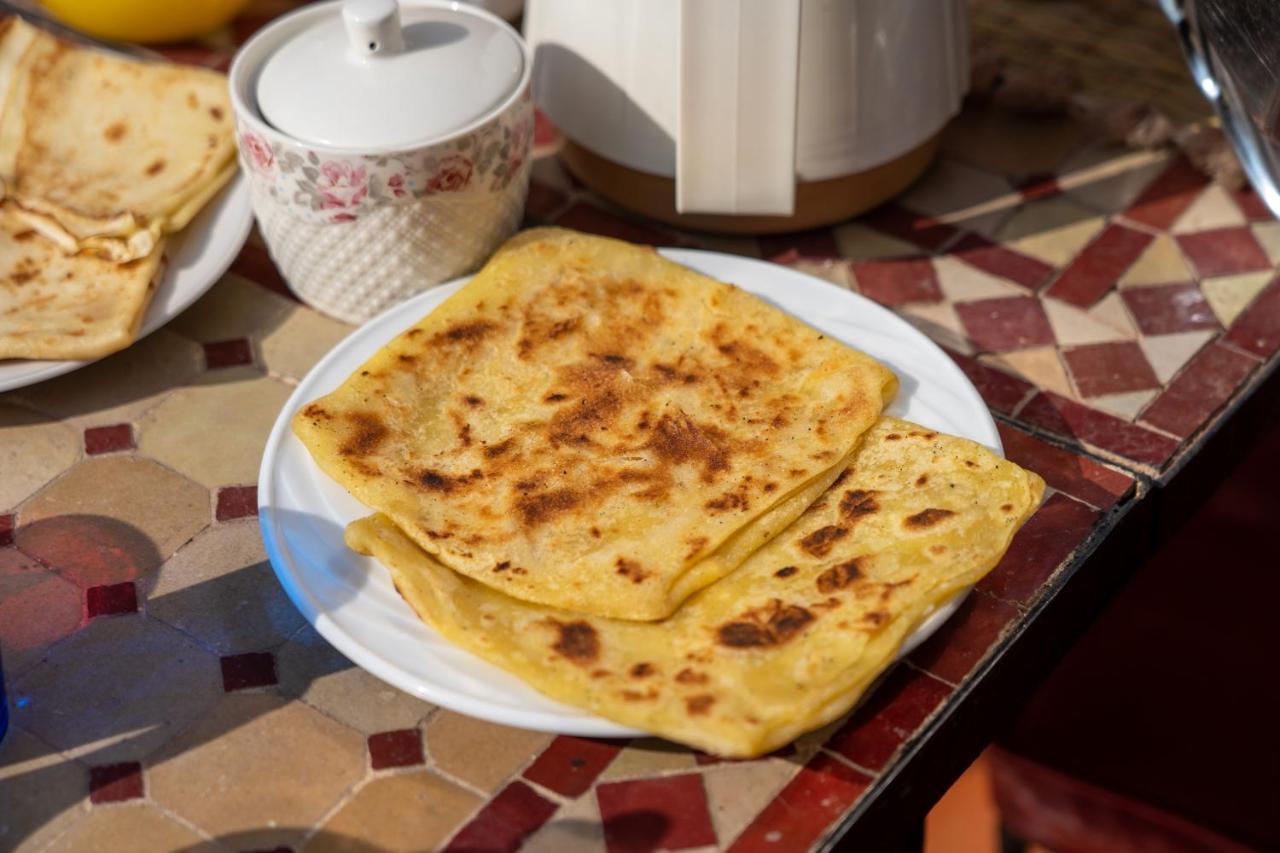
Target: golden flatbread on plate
column 785, row 643
column 591, row 426
column 103, row 152
column 54, row 305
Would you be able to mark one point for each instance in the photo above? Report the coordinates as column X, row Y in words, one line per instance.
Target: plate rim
column 585, row 724
column 235, row 193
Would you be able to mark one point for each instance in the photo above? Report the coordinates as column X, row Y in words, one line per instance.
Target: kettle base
column 818, row 203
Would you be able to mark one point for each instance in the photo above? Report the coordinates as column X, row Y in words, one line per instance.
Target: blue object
column 4, row 704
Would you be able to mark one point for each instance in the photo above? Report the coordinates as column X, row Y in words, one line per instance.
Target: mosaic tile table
column 1112, row 307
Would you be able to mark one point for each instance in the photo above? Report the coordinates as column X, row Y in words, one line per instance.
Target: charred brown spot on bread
column 690, row 676
column 677, row 440
column 595, row 532
column 473, row 401
column 924, row 435
column 493, row 451
column 464, row 435
column 893, row 436
column 839, row 576
column 470, row 332
column 696, row 544
column 21, row 276
column 937, row 549
column 576, row 641
column 768, row 626
column 503, row 566
column 644, row 669
column 115, row 131
column 432, row 480
column 820, row 542
column 922, row 479
column 736, row 499
column 24, row 236
column 216, row 113
column 839, row 480
column 785, row 572
column 969, row 463
column 413, row 333
column 699, row 705
column 770, row 486
column 1006, row 507
column 156, row 167
column 368, row 432
column 406, row 358
column 600, row 673
column 749, row 359
column 875, row 617
column 555, row 397
column 538, row 509
column 636, row 696
column 616, row 360
column 926, row 518
column 631, row 570
column 856, row 503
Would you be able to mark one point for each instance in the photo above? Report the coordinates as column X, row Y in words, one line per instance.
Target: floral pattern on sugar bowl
column 321, row 187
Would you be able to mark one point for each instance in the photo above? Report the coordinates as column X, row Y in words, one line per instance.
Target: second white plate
column 350, row 599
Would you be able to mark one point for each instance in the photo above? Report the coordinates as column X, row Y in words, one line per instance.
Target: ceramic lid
column 375, row 74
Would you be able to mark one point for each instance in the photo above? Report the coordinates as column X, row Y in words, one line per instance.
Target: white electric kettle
column 749, row 115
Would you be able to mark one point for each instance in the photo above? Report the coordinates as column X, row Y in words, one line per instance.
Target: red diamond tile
column 1169, row 308
column 655, row 814
column 571, row 764
column 1168, row 196
column 505, row 822
column 822, row 791
column 1039, row 548
column 230, row 353
column 888, row 717
column 895, row 281
column 1035, row 187
column 899, row 222
column 544, row 132
column 1099, row 266
column 1000, row 390
column 6, row 529
column 818, row 243
column 112, row 783
column 1111, row 368
column 111, row 600
column 255, row 264
column 965, row 638
column 89, row 550
column 108, row 439
column 1251, row 205
column 1203, row 387
column 1070, row 419
column 248, row 670
column 1007, row 323
column 237, row 502
column 978, row 251
column 1258, row 328
column 585, row 217
column 1079, row 476
column 400, row 748
column 1224, row 251
column 543, row 201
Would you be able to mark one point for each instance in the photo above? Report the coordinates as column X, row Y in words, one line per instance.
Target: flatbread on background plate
column 54, row 305
column 591, row 426
column 785, row 643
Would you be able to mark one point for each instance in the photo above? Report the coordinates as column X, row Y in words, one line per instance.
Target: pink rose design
column 341, row 185
column 395, row 183
column 258, row 151
column 453, row 175
column 338, row 218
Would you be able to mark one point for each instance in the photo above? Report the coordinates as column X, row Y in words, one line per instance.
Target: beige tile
column 311, row 669
column 1040, row 366
column 961, row 282
column 26, row 587
column 1213, row 208
column 859, row 243
column 120, row 387
column 1073, row 327
column 1002, row 143
column 214, row 432
column 407, row 811
column 1168, row 353
column 1053, row 230
column 301, row 339
column 233, row 308
column 1126, row 405
column 738, row 791
column 1268, row 234
column 1160, row 263
column 116, row 689
column 960, row 194
column 220, row 589
column 1229, row 295
column 939, row 321
column 649, row 757
column 42, row 793
column 481, row 754
column 260, row 766
column 33, row 450
column 138, row 827
column 576, row 828
column 1111, row 311
column 834, row 271
column 1110, row 179
column 111, row 518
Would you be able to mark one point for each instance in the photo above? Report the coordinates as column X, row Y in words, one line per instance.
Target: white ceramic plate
column 196, row 257
column 350, row 599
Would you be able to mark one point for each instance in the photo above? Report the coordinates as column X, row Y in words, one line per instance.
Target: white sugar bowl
column 386, row 145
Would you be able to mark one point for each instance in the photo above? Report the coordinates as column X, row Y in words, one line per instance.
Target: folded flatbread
column 788, row 641
column 589, row 425
column 54, row 305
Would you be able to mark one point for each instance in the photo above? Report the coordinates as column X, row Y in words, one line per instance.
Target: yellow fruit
column 145, row 20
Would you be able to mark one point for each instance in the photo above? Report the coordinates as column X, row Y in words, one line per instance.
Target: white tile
column 1168, row 353
column 1228, row 295
column 1212, row 209
column 1126, row 405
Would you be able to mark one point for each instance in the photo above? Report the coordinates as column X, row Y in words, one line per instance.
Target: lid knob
column 373, row 27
